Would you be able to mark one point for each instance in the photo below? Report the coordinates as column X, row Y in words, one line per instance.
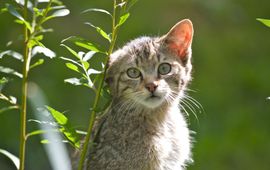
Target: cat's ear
column 179, row 39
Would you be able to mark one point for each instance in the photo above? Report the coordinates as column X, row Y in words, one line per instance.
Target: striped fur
column 139, row 132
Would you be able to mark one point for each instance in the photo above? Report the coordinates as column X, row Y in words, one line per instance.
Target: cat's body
column 143, row 128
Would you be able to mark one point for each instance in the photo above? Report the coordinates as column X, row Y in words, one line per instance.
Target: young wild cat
column 143, row 128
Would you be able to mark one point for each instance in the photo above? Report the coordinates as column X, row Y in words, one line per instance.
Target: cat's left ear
column 179, row 39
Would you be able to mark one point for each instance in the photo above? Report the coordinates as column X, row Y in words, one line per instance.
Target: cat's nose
column 151, row 87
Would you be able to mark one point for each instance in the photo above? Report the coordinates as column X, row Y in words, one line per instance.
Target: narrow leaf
column 82, row 43
column 70, row 60
column 13, row 54
column 60, row 118
column 61, row 13
column 47, row 52
column 65, row 127
column 85, row 64
column 39, row 62
column 89, row 55
column 13, row 158
column 2, row 110
column 10, row 71
column 72, row 67
column 97, row 10
column 123, row 19
column 14, row 12
column 100, row 31
column 38, row 132
column 71, row 51
column 264, row 21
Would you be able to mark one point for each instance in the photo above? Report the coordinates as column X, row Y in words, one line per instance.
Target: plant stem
column 26, row 63
column 93, row 112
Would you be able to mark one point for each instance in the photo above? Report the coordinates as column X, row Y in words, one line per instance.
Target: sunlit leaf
column 60, row 118
column 15, row 13
column 70, row 60
column 121, row 4
column 13, row 158
column 47, row 52
column 72, row 67
column 89, row 55
column 264, row 21
column 10, row 71
column 123, row 19
column 39, row 62
column 71, row 51
column 58, row 13
column 5, row 109
column 78, row 82
column 93, row 71
column 61, row 13
column 100, row 31
column 82, row 43
column 53, row 124
column 85, row 64
column 3, row 82
column 21, row 2
column 14, row 54
column 97, row 10
column 65, row 127
column 45, row 141
column 38, row 132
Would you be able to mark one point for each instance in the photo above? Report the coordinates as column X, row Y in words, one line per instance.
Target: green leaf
column 264, row 21
column 15, row 13
column 77, row 82
column 73, row 67
column 45, row 141
column 100, row 31
column 70, row 60
column 85, row 64
column 89, row 55
column 13, row 158
column 58, row 13
column 97, row 10
column 47, row 52
column 13, row 54
column 2, row 110
column 38, row 132
column 60, row 118
column 71, row 51
column 39, row 62
column 65, row 127
column 123, row 19
column 83, row 43
column 10, row 71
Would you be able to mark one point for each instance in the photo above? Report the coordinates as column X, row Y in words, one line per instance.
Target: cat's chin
column 152, row 102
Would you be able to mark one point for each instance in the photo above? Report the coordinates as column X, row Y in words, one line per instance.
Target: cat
column 143, row 128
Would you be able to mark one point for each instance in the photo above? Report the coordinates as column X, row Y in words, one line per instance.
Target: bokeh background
column 231, row 59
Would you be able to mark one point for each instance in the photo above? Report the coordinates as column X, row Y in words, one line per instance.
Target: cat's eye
column 133, row 72
column 164, row 68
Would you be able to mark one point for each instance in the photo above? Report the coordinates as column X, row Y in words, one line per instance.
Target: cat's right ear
column 179, row 39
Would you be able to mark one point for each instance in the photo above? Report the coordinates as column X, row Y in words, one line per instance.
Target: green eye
column 133, row 73
column 164, row 68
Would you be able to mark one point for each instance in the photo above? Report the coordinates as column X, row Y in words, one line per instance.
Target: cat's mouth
column 153, row 97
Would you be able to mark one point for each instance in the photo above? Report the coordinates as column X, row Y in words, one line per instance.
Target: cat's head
column 153, row 71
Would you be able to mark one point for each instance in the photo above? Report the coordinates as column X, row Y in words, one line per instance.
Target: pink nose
column 151, row 87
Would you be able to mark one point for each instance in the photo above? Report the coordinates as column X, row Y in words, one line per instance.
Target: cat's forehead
column 140, row 50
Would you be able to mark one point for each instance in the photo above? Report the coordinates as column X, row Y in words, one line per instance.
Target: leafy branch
column 32, row 17
column 91, row 67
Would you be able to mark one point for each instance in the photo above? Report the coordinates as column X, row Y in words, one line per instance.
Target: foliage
column 32, row 16
column 266, row 22
column 91, row 65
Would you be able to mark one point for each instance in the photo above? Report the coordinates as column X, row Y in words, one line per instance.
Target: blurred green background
column 231, row 59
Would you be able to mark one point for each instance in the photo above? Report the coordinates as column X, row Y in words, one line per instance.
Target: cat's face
column 152, row 71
